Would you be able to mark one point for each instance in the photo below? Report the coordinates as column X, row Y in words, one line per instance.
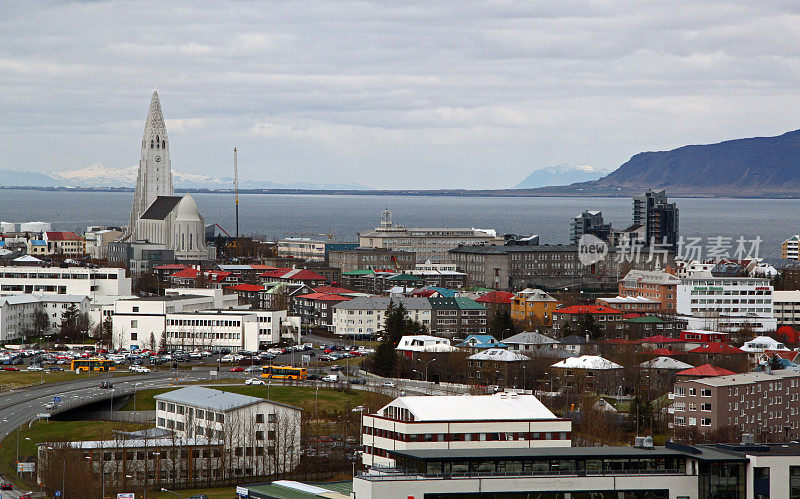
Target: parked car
column 358, row 381
column 253, row 369
column 254, row 381
column 6, row 486
column 227, row 358
column 106, row 385
column 314, row 377
column 34, row 368
column 237, row 369
column 330, row 378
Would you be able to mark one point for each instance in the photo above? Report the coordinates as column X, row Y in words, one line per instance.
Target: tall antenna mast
column 236, row 187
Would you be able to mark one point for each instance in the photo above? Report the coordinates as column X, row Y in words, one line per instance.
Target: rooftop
column 215, row 400
column 500, row 406
column 748, row 378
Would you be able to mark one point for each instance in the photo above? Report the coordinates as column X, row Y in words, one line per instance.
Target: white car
column 389, row 384
column 227, row 358
column 34, row 368
column 254, row 381
column 139, row 369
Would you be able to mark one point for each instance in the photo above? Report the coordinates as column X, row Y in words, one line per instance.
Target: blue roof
column 444, row 292
column 481, row 341
column 38, row 243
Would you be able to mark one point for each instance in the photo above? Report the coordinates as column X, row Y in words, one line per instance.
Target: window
column 705, row 422
column 794, row 482
column 705, row 392
column 706, row 406
column 134, row 323
column 692, row 391
column 259, row 418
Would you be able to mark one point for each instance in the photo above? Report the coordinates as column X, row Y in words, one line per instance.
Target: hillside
column 759, row 166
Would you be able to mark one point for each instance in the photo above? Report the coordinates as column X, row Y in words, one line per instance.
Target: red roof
column 423, row 293
column 659, row 338
column 496, row 297
column 632, row 315
column 246, row 287
column 782, row 354
column 171, row 266
column 333, row 290
column 62, row 236
column 257, row 266
column 324, row 297
column 619, row 341
column 587, row 309
column 716, row 348
column 294, row 274
column 663, row 352
column 705, row 371
column 187, row 273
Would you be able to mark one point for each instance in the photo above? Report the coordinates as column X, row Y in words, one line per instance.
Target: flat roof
column 699, row 452
column 748, row 378
column 497, row 407
column 215, row 400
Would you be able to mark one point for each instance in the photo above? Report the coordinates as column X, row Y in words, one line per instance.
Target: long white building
column 726, row 303
column 451, row 422
column 94, row 283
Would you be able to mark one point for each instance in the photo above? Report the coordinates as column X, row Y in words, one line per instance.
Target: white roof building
column 759, row 344
column 666, row 363
column 593, row 362
column 499, row 355
column 425, row 343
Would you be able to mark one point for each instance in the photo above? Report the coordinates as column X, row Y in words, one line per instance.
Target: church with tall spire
column 158, row 216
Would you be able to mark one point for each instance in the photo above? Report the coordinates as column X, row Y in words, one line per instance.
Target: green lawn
column 54, row 431
column 217, row 493
column 328, row 400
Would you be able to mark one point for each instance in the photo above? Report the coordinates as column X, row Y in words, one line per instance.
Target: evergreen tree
column 501, row 326
column 69, row 322
column 384, row 358
column 587, row 325
column 394, row 323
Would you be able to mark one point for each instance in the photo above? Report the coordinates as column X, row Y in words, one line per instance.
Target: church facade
column 158, row 216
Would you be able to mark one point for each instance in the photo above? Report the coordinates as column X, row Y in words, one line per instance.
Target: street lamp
column 418, row 372
column 426, row 368
column 171, row 492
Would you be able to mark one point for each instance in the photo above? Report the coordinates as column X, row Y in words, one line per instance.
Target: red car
column 6, row 486
column 26, row 495
column 9, row 368
column 237, row 369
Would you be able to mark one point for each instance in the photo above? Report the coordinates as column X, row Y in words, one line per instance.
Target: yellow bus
column 89, row 365
column 284, row 372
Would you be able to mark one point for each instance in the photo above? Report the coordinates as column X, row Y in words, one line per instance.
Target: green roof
column 469, row 304
column 405, row 277
column 359, row 272
column 644, row 319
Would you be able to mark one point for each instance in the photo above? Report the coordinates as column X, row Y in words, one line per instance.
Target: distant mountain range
column 751, row 167
column 560, row 175
column 100, row 176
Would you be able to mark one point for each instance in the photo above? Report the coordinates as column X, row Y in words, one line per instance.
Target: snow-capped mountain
column 560, row 175
column 99, row 175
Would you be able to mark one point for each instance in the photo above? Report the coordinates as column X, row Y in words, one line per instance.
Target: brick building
column 652, row 285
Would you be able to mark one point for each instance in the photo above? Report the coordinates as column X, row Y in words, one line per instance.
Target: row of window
column 467, row 437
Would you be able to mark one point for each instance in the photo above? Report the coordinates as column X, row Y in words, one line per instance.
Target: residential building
column 498, row 366
column 589, row 222
column 426, row 243
column 410, row 344
column 790, row 248
column 17, row 313
column 316, row 309
column 440, row 278
column 312, row 250
column 648, row 325
column 477, row 342
column 533, row 306
column 588, row 372
column 761, row 344
column 631, row 304
column 441, row 267
column 460, row 422
column 372, row 259
column 495, row 302
column 765, row 404
column 194, row 278
column 293, row 276
column 365, row 315
column 659, row 217
column 97, row 240
column 631, row 236
column 576, row 344
column 457, row 316
column 651, row 285
column 786, row 306
column 253, row 429
column 642, row 471
column 531, row 342
column 66, row 244
column 569, row 319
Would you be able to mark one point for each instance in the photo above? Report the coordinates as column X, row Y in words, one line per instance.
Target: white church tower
column 155, row 170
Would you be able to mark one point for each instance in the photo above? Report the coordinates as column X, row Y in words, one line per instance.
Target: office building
column 372, row 259
column 460, row 422
column 659, row 217
column 312, row 250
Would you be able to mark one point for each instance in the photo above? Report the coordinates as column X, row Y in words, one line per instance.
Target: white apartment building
column 428, row 266
column 727, row 301
column 364, row 315
column 94, row 283
column 428, row 243
column 254, row 430
column 17, row 312
column 458, row 422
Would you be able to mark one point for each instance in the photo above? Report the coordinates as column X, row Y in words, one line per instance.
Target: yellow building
column 533, row 305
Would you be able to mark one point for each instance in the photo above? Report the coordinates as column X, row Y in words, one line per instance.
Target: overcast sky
column 394, row 94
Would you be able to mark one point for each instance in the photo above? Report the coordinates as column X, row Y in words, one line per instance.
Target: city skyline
column 360, row 92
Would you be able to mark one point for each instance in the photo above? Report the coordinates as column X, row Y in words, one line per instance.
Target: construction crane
column 329, row 236
column 236, row 188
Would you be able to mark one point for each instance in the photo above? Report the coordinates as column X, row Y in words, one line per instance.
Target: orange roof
column 333, row 290
column 705, row 371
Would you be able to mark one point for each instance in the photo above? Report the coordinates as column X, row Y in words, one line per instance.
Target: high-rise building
column 659, row 217
column 790, row 248
column 589, row 222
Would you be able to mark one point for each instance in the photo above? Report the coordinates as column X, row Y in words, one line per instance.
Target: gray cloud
column 391, row 94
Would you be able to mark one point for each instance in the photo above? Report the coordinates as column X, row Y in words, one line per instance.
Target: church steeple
column 155, row 169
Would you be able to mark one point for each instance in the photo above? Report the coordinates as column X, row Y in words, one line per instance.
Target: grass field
column 328, row 400
column 54, row 431
column 217, row 493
